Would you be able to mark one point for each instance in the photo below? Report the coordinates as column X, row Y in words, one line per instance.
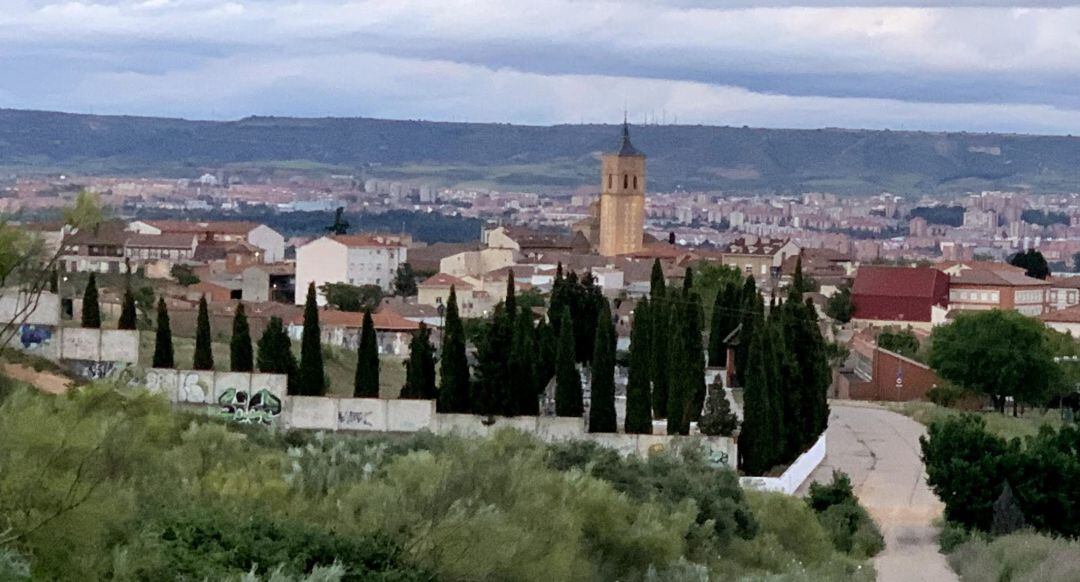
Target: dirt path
column 880, row 451
column 44, row 381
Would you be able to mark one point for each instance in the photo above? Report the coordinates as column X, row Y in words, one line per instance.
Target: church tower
column 622, row 199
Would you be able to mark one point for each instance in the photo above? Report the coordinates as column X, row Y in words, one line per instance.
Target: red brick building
column 883, row 375
column 899, row 294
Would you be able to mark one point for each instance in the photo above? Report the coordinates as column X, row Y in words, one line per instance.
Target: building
column 1064, row 292
column 622, row 199
column 982, row 289
column 270, row 243
column 759, row 257
column 96, row 250
column 918, row 296
column 367, row 259
column 1064, row 320
column 879, row 374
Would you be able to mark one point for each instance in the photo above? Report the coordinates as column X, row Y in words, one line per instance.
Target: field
column 1004, row 425
column 340, row 364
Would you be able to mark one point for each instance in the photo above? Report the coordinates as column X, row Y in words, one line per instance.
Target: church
column 617, row 224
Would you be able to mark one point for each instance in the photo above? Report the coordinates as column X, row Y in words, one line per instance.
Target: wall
column 894, row 378
column 319, row 261
column 242, row 397
column 795, row 475
column 45, row 311
column 381, row 415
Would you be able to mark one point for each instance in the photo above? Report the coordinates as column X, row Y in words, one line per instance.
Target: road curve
column 879, row 449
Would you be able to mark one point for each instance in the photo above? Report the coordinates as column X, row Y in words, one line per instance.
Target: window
column 625, row 181
column 610, row 181
column 635, row 182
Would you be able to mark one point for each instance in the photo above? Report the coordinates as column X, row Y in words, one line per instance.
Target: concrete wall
column 795, row 475
column 239, row 396
column 45, row 310
column 381, row 415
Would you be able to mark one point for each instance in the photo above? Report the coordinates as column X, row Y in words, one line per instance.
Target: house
column 476, row 263
column 1064, row 292
column 472, row 299
column 157, row 253
column 269, row 282
column 342, row 328
column 978, row 289
column 270, row 243
column 96, row 250
column 886, row 295
column 759, row 257
column 529, row 243
column 880, row 374
column 366, row 259
column 1064, row 320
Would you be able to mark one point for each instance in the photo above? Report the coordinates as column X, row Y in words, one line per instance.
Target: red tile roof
column 367, row 240
column 1067, row 315
column 216, row 226
column 445, row 280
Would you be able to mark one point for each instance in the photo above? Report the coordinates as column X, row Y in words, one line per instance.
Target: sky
column 965, row 65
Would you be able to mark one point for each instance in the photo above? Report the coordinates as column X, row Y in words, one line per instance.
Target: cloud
column 886, row 64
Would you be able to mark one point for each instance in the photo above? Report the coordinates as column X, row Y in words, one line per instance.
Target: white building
column 219, row 231
column 367, row 259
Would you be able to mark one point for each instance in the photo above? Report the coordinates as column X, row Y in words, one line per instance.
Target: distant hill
column 558, row 158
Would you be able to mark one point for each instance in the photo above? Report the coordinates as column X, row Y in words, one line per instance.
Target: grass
column 1003, row 425
column 340, row 364
column 1018, row 557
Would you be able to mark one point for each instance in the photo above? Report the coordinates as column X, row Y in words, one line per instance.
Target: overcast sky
column 964, row 65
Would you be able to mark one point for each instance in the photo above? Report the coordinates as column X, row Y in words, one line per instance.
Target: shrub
column 718, row 418
column 836, row 492
column 946, row 395
column 850, row 527
column 1020, row 557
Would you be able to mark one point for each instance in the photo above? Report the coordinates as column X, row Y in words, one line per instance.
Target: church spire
column 627, row 148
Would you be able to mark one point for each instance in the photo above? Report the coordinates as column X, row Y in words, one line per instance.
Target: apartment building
column 366, row 259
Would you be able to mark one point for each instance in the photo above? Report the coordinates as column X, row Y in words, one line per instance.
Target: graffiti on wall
column 93, row 370
column 191, row 389
column 33, row 337
column 260, row 408
column 355, row 419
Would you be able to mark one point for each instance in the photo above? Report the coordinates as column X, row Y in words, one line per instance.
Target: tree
column 901, row 341
column 661, row 338
column 366, row 383
column 1008, row 517
column 657, row 281
column 493, row 392
column 91, row 310
column 54, row 280
column 275, row 356
column 204, row 355
column 184, row 275
column 638, row 385
column 602, row 403
column 696, row 353
column 756, row 440
column 523, row 366
column 681, row 383
column 547, row 347
column 1076, row 262
column 454, row 366
column 718, row 419
column 511, row 297
column 241, row 356
column 840, row 306
column 996, row 353
column 1033, row 263
column 405, row 281
column 340, row 225
column 568, row 398
column 163, row 346
column 688, row 281
column 420, row 367
column 311, row 377
column 129, row 318
column 352, row 298
column 752, row 311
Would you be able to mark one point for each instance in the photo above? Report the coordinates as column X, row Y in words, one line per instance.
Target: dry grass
column 1004, row 425
column 1022, row 557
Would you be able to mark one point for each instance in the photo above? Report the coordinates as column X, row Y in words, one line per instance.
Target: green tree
column 420, row 367
column 91, row 310
column 638, row 384
column 405, row 281
column 696, row 353
column 184, row 275
column 454, row 365
column 129, row 318
column 547, row 346
column 718, row 419
column 511, row 297
column 751, row 313
column 901, row 341
column 275, row 355
column 204, row 355
column 840, row 306
column 568, row 397
column 493, row 394
column 688, row 281
column 602, row 403
column 163, row 345
column 311, row 377
column 522, row 365
column 352, row 298
column 1033, row 262
column 758, row 435
column 996, row 353
column 661, row 340
column 241, row 356
column 366, row 383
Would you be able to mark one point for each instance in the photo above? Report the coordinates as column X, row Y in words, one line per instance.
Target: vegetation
column 718, row 419
column 902, row 341
column 944, row 215
column 660, row 337
column 184, row 275
column 164, row 356
column 849, row 526
column 204, row 357
column 129, row 318
column 1043, row 217
column 568, row 397
column 602, row 402
column 186, row 496
column 354, row 298
column 840, row 306
column 1024, row 556
column 638, row 389
column 1033, row 263
column 275, row 355
column 366, row 383
column 420, row 367
column 454, row 365
column 241, row 356
column 405, row 281
column 1007, row 427
column 310, row 377
column 91, row 309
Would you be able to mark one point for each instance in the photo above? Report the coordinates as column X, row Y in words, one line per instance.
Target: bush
column 838, row 491
column 946, row 395
column 1021, row 557
column 954, row 535
column 850, row 527
column 718, row 418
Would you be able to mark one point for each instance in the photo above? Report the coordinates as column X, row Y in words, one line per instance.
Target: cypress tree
column 752, row 309
column 791, row 390
column 602, row 404
column 546, row 348
column 522, row 366
column 756, row 434
column 163, row 347
column 204, row 356
column 275, row 354
column 311, row 377
column 779, row 372
column 366, row 383
column 718, row 326
column 638, row 390
column 91, row 310
column 696, row 353
column 798, row 284
column 420, row 367
column 454, row 367
column 688, row 281
column 511, row 296
column 128, row 316
column 54, row 281
column 493, row 385
column 568, row 398
column 680, row 382
column 241, row 357
column 558, row 299
column 657, row 282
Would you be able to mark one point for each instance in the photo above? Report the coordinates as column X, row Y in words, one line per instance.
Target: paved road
column 880, row 451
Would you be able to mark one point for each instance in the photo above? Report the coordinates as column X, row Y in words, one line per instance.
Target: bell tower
column 622, row 199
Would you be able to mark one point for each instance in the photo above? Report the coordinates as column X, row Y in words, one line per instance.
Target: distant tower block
column 622, row 199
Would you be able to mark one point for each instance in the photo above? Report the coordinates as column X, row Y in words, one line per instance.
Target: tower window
column 625, row 180
column 635, row 182
column 610, row 181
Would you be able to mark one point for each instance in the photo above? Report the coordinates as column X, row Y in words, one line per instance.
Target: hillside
column 557, row 158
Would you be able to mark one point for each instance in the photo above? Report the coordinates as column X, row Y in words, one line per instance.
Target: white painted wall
column 795, row 475
column 320, row 261
column 270, row 241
